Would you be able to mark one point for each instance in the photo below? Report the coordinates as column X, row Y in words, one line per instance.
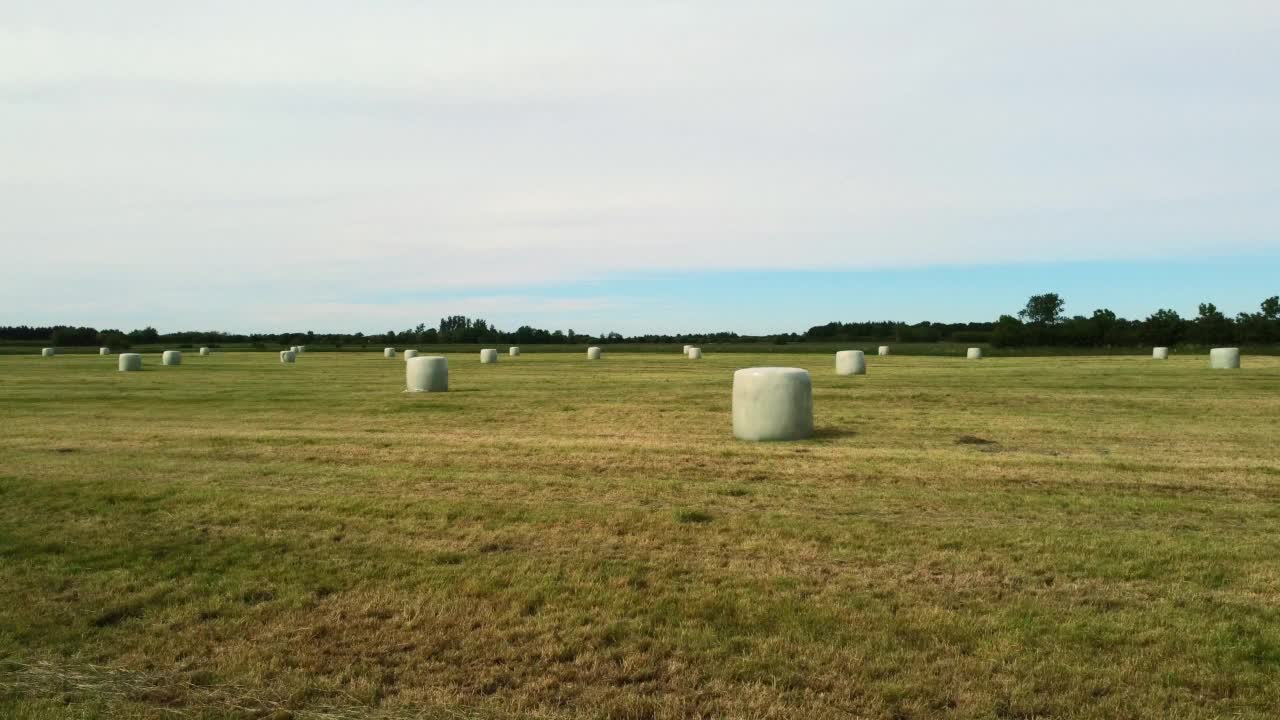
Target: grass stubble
column 1012, row 538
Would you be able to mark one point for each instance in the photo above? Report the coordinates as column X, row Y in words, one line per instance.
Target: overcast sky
column 365, row 165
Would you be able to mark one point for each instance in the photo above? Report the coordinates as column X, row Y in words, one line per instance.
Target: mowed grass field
column 1010, row 538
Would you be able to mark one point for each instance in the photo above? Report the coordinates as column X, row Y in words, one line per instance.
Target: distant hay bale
column 1160, row 353
column 687, row 348
column 288, row 356
column 410, row 354
column 488, row 356
column 204, row 351
column 695, row 353
column 128, row 362
column 884, row 350
column 1224, row 358
column 300, row 349
column 388, row 352
column 48, row 352
column 104, row 351
column 974, row 354
column 851, row 362
column 428, row 373
column 593, row 353
column 171, row 357
column 513, row 352
column 772, row 403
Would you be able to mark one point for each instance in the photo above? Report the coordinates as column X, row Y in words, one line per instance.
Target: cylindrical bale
column 695, row 353
column 1224, row 358
column 428, row 373
column 48, row 352
column 288, row 356
column 772, row 403
column 884, row 350
column 851, row 362
column 513, row 352
column 1160, row 353
column 104, row 351
column 129, row 361
column 593, row 353
column 974, row 354
column 171, row 357
column 300, row 348
column 204, row 351
column 388, row 352
column 488, row 356
column 410, row 354
column 687, row 348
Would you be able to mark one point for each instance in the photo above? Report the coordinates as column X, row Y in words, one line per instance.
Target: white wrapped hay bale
column 204, row 351
column 1160, row 353
column 388, row 352
column 488, row 356
column 695, row 353
column 851, row 362
column 47, row 352
column 513, row 352
column 974, row 354
column 884, row 349
column 429, row 373
column 772, row 403
column 171, row 357
column 104, row 351
column 1224, row 358
column 288, row 356
column 410, row 354
column 129, row 362
column 687, row 348
column 300, row 349
column 593, row 353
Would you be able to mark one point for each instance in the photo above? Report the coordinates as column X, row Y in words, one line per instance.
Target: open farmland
column 1083, row 537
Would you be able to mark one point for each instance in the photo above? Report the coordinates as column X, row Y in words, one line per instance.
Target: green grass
column 1086, row 537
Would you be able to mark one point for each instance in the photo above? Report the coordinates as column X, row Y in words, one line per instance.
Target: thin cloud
column 357, row 152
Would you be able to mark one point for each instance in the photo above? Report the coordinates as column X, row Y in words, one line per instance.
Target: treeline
column 900, row 332
column 1040, row 323
column 453, row 329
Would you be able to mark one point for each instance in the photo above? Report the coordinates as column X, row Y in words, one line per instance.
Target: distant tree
column 1103, row 326
column 1043, row 309
column 1271, row 308
column 1211, row 326
column 1009, row 332
column 1164, row 328
column 147, row 335
column 113, row 339
column 69, row 336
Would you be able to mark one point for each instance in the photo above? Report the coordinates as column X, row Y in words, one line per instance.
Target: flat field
column 1084, row 537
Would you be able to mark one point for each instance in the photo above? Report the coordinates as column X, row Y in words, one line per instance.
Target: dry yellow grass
column 1073, row 537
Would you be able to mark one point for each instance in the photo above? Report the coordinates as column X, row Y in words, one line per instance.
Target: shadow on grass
column 833, row 433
